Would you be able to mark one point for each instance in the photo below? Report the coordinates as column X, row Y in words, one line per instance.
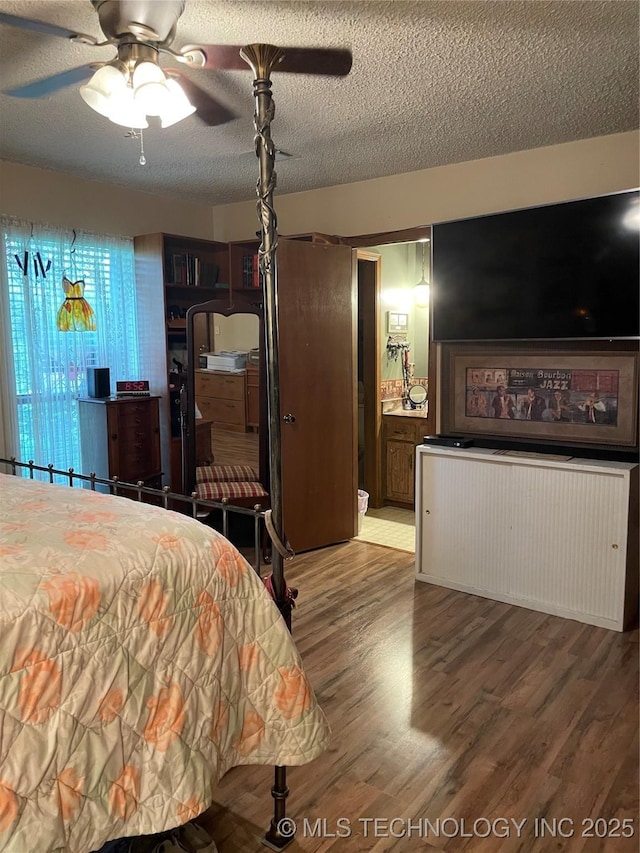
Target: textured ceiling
column 432, row 83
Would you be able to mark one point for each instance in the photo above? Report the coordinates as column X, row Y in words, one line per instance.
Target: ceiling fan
column 141, row 30
column 133, row 85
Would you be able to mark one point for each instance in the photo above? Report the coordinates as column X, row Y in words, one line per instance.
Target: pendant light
column 421, row 290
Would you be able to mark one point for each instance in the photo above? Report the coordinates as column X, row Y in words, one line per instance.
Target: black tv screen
column 560, row 271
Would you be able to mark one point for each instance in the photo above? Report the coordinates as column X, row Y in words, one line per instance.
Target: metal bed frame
column 262, row 59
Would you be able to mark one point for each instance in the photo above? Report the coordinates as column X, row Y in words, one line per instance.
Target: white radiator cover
column 555, row 536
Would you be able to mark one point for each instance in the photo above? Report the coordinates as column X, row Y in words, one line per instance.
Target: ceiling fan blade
column 42, row 27
column 332, row 62
column 48, row 85
column 208, row 109
column 325, row 61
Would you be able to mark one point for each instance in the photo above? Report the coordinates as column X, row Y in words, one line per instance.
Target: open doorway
column 369, row 414
column 391, row 279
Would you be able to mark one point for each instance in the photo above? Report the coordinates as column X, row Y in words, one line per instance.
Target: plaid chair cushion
column 219, row 491
column 225, row 474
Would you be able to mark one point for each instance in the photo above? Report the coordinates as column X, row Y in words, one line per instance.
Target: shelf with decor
column 245, row 277
column 192, row 263
column 244, row 270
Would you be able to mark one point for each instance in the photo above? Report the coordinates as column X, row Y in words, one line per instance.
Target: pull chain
column 133, row 134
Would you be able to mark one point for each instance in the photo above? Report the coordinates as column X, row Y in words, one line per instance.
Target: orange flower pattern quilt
column 140, row 659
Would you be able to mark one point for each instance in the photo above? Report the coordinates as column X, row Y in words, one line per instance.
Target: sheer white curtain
column 44, row 370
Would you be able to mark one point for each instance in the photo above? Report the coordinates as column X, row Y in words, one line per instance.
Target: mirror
column 224, row 374
column 417, row 396
column 226, row 391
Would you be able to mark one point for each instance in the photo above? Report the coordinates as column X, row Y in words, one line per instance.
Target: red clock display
column 133, row 388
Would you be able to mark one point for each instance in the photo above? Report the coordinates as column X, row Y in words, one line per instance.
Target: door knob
column 289, row 418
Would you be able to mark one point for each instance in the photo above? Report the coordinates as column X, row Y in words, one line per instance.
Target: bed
column 141, row 657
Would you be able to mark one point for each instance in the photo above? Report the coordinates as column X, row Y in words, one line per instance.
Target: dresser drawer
column 134, row 465
column 222, row 411
column 132, row 421
column 131, row 433
column 400, row 429
column 227, row 386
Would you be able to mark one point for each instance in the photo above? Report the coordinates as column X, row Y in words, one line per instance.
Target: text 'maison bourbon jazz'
column 557, row 395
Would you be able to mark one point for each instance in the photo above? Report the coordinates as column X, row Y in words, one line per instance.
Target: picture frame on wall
column 397, row 322
column 552, row 395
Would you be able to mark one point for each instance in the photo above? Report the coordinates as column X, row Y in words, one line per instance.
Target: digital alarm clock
column 138, row 388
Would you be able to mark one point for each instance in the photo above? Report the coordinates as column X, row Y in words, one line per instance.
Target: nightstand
column 121, row 438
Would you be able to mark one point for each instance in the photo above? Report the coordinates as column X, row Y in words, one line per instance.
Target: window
column 48, row 369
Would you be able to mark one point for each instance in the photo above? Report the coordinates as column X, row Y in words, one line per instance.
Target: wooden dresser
column 121, row 438
column 253, row 396
column 221, row 398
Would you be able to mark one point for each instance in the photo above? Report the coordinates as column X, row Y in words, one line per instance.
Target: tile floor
column 391, row 526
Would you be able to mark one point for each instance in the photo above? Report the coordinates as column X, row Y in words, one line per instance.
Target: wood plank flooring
column 447, row 706
column 235, row 448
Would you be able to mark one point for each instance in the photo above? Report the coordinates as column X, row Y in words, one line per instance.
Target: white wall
column 238, row 332
column 580, row 169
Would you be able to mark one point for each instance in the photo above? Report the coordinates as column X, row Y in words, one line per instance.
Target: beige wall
column 540, row 176
column 524, row 179
column 51, row 197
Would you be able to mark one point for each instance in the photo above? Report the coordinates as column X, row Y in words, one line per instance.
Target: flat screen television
column 560, row 271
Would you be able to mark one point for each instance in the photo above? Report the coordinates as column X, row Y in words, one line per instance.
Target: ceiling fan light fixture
column 177, row 106
column 105, row 85
column 147, row 72
column 151, row 98
column 149, row 87
column 125, row 111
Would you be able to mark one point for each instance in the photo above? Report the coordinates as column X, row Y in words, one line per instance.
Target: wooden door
column 318, row 350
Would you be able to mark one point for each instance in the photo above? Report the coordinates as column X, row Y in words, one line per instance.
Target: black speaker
column 98, row 382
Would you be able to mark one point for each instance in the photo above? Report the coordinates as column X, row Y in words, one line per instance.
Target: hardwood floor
column 235, row 448
column 447, row 706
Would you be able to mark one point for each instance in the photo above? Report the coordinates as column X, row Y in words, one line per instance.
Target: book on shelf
column 190, row 270
column 193, row 270
column 255, row 271
column 208, row 274
column 178, row 269
column 251, row 276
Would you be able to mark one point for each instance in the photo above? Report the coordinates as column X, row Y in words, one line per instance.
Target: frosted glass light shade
column 149, row 88
column 125, row 111
column 177, row 105
column 421, row 294
column 147, row 72
column 149, row 93
column 105, row 84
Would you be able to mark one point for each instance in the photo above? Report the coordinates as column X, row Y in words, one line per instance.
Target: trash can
column 363, row 505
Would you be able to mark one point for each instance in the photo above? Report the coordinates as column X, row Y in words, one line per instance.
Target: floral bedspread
column 140, row 659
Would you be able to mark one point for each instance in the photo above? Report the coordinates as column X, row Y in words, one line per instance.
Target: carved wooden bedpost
column 263, row 58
